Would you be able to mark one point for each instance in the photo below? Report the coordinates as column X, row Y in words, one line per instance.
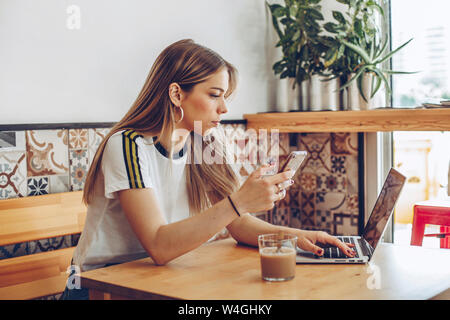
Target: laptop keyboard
column 335, row 253
column 363, row 246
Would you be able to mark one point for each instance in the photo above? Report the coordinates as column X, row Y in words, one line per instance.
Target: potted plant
column 357, row 52
column 297, row 26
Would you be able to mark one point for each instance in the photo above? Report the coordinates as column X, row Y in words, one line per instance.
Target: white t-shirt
column 129, row 161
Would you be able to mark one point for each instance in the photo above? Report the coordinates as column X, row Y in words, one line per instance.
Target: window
column 422, row 156
column 429, row 52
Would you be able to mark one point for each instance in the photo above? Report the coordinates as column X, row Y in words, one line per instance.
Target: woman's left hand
column 307, row 241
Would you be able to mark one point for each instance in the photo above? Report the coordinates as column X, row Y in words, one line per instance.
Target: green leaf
column 385, row 80
column 388, row 56
column 361, row 92
column 277, row 28
column 278, row 67
column 285, row 74
column 293, row 11
column 372, row 50
column 330, row 27
column 339, row 17
column 363, row 54
column 272, row 7
column 399, row 72
column 341, row 51
column 357, row 26
column 315, row 14
column 279, row 12
column 383, row 48
column 356, row 76
column 331, row 60
column 301, row 74
column 374, row 90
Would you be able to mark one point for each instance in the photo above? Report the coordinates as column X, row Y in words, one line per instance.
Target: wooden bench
column 35, row 218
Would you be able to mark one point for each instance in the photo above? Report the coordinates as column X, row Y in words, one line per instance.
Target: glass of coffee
column 277, row 253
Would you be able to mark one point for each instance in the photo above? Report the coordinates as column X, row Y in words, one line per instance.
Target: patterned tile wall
column 324, row 196
column 37, row 162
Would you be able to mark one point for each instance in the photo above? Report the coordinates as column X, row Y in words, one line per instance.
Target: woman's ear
column 175, row 94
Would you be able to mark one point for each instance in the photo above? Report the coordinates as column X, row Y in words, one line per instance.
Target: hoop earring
column 182, row 114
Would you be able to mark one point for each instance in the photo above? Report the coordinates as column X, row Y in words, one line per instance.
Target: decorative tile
column 352, row 204
column 13, row 170
column 344, row 143
column 59, row 183
column 318, row 147
column 324, row 220
column 51, row 297
column 32, row 247
column 95, row 137
column 307, row 218
column 7, row 139
column 331, row 201
column 331, row 183
column 38, row 186
column 47, row 152
column 281, row 216
column 295, row 215
column 345, row 224
column 13, row 250
column 338, row 164
column 265, row 216
column 12, row 141
column 307, row 181
column 78, row 168
column 295, row 196
column 78, row 138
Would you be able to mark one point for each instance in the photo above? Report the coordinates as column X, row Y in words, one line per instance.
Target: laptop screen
column 383, row 207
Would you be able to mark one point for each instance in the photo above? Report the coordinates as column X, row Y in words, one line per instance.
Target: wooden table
column 224, row 270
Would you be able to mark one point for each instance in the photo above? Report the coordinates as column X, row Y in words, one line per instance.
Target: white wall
column 50, row 74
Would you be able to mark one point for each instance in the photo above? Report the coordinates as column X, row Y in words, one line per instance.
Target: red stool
column 435, row 212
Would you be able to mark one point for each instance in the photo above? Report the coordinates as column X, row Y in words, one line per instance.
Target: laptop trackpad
column 306, row 257
column 306, row 254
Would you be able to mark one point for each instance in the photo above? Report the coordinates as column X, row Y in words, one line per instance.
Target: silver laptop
column 365, row 244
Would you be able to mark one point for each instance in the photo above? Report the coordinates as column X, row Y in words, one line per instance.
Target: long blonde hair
column 187, row 64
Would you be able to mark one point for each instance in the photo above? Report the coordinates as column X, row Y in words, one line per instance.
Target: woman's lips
column 216, row 123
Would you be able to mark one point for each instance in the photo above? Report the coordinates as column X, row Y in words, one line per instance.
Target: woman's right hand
column 259, row 192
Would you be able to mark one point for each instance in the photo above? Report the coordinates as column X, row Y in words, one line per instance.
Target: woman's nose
column 222, row 108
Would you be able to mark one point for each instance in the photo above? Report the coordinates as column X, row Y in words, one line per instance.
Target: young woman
column 145, row 199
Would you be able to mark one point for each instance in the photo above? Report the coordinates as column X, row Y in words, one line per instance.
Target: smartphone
column 294, row 161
